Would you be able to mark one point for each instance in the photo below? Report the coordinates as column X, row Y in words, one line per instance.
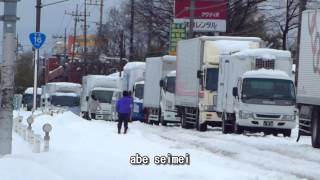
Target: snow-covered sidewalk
column 82, row 150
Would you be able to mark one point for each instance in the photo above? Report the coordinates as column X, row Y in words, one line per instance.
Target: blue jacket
column 124, row 105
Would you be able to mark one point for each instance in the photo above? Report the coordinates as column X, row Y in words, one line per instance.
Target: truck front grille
column 268, row 116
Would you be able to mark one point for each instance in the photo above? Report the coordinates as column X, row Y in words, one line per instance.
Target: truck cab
column 256, row 92
column 107, row 98
column 265, row 99
column 27, row 98
column 167, row 99
column 137, row 113
column 68, row 100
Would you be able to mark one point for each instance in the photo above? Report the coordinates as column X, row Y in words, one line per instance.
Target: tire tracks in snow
column 261, row 154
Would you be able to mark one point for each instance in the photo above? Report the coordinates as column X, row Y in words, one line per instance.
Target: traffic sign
column 37, row 39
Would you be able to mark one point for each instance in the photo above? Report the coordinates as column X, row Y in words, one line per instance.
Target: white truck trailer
column 197, row 76
column 105, row 89
column 167, row 99
column 62, row 94
column 156, row 69
column 133, row 81
column 308, row 90
column 256, row 92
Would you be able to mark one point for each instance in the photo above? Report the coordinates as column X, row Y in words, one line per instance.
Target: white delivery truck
column 167, row 99
column 133, row 81
column 156, row 69
column 27, row 98
column 308, row 90
column 256, row 92
column 62, row 94
column 197, row 76
column 105, row 89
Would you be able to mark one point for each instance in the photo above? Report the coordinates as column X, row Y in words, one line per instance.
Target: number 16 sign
column 37, row 39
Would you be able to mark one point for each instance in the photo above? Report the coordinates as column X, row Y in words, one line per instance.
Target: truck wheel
column 225, row 126
column 202, row 127
column 163, row 123
column 315, row 127
column 287, row 133
column 237, row 129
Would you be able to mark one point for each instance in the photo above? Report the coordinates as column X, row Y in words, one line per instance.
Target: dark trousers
column 93, row 115
column 123, row 118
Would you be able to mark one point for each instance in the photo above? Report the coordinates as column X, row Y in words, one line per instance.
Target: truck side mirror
column 235, row 91
column 199, row 74
column 161, row 83
column 87, row 98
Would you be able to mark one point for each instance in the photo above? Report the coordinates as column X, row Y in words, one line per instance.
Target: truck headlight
column 245, row 115
column 288, row 117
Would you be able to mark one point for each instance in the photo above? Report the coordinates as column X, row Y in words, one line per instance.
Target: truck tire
column 163, row 122
column 225, row 126
column 184, row 124
column 287, row 133
column 315, row 129
column 201, row 126
column 237, row 129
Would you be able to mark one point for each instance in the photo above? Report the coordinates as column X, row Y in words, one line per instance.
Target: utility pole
column 65, row 44
column 76, row 14
column 302, row 7
column 191, row 24
column 101, row 17
column 131, row 31
column 7, row 75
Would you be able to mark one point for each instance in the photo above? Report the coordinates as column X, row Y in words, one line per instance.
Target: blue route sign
column 37, row 39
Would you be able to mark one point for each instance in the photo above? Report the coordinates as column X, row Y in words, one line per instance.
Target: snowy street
column 81, row 149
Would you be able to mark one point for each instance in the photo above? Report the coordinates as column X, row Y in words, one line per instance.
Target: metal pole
column 191, row 25
column 85, row 35
column 76, row 19
column 101, row 17
column 7, row 75
column 131, row 31
column 36, row 56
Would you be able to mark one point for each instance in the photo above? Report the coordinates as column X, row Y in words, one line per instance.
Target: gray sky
column 53, row 19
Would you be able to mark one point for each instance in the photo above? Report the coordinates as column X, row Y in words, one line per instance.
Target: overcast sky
column 53, row 18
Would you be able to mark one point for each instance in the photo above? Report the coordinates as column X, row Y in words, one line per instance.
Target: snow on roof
column 29, row 90
column 66, row 84
column 234, row 38
column 172, row 73
column 264, row 53
column 65, row 94
column 230, row 46
column 267, row 73
column 169, row 58
column 135, row 65
column 104, row 89
column 116, row 74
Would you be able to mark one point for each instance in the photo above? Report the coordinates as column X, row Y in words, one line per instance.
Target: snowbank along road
column 82, row 150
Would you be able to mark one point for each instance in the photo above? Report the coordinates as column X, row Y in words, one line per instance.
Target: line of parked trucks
column 229, row 82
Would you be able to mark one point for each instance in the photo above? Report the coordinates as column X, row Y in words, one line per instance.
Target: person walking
column 93, row 106
column 123, row 108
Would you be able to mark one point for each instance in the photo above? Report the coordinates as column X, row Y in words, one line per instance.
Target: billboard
column 177, row 33
column 209, row 15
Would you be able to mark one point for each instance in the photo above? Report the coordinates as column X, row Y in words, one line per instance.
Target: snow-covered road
column 83, row 150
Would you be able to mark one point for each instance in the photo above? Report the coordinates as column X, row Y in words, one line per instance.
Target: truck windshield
column 268, row 91
column 69, row 101
column 28, row 99
column 212, row 79
column 103, row 96
column 138, row 91
column 171, row 84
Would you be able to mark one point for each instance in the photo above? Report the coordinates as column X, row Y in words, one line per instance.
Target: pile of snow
column 63, row 87
column 264, row 53
column 267, row 73
column 82, row 150
column 30, row 91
